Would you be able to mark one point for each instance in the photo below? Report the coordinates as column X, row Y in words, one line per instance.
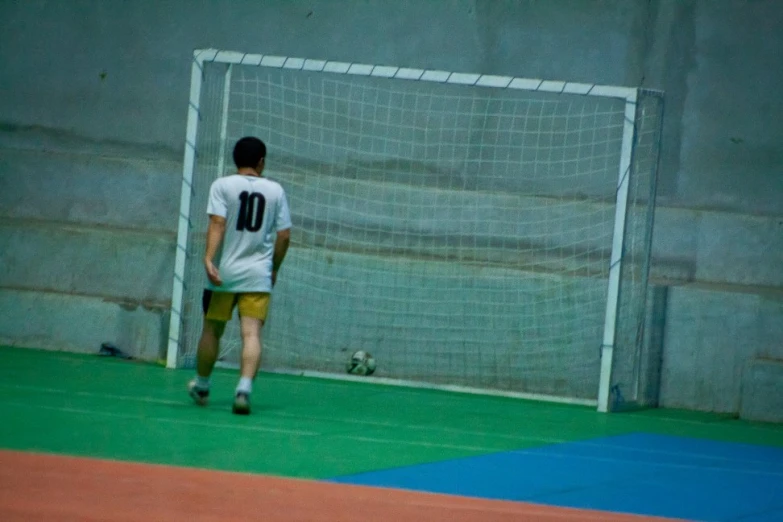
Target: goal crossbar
column 405, row 73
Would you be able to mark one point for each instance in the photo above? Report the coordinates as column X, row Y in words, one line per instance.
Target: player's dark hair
column 248, row 152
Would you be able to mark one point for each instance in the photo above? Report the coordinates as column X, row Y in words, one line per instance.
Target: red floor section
column 60, row 488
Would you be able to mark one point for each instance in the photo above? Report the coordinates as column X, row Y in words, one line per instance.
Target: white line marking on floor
column 211, row 425
column 314, row 418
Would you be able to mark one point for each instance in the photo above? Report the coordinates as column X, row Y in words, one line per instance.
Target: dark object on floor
column 109, row 350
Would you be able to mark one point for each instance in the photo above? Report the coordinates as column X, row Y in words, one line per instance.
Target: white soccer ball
column 361, row 363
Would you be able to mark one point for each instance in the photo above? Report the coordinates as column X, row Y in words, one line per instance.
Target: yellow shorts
column 219, row 306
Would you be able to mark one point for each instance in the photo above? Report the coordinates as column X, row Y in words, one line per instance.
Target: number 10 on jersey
column 251, row 211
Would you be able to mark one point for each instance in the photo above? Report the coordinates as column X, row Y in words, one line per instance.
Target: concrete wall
column 711, row 339
column 721, row 168
column 92, row 118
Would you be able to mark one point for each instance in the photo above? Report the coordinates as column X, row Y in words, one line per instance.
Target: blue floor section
column 647, row 474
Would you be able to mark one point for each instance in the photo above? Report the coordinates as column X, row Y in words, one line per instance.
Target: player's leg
column 218, row 307
column 252, row 314
column 251, row 361
column 209, row 347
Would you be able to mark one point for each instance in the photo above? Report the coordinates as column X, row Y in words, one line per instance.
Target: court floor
column 90, row 438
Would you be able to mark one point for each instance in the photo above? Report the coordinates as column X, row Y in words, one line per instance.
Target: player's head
column 249, row 152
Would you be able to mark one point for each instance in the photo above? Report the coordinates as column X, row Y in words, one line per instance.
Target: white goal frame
column 230, row 58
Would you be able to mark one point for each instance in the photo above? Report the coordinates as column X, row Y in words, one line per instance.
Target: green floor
column 92, row 406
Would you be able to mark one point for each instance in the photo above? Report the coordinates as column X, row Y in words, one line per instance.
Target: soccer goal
column 482, row 233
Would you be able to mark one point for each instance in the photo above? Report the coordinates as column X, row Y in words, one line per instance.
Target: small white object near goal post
column 479, row 233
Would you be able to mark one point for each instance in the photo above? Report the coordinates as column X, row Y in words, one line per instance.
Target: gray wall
column 92, row 118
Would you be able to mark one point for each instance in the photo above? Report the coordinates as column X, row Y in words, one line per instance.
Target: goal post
column 482, row 233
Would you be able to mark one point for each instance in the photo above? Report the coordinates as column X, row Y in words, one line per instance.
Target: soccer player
column 249, row 216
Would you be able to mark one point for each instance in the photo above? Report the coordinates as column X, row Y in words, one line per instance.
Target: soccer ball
column 361, row 363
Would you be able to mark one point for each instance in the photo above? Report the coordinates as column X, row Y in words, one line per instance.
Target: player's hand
column 274, row 277
column 212, row 273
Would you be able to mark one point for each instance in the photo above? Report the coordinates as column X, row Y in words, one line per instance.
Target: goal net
column 479, row 232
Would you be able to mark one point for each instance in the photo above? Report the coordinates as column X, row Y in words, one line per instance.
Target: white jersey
column 255, row 209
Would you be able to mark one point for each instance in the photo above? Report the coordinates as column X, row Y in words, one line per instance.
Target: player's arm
column 283, row 226
column 217, row 210
column 281, row 248
column 215, row 232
